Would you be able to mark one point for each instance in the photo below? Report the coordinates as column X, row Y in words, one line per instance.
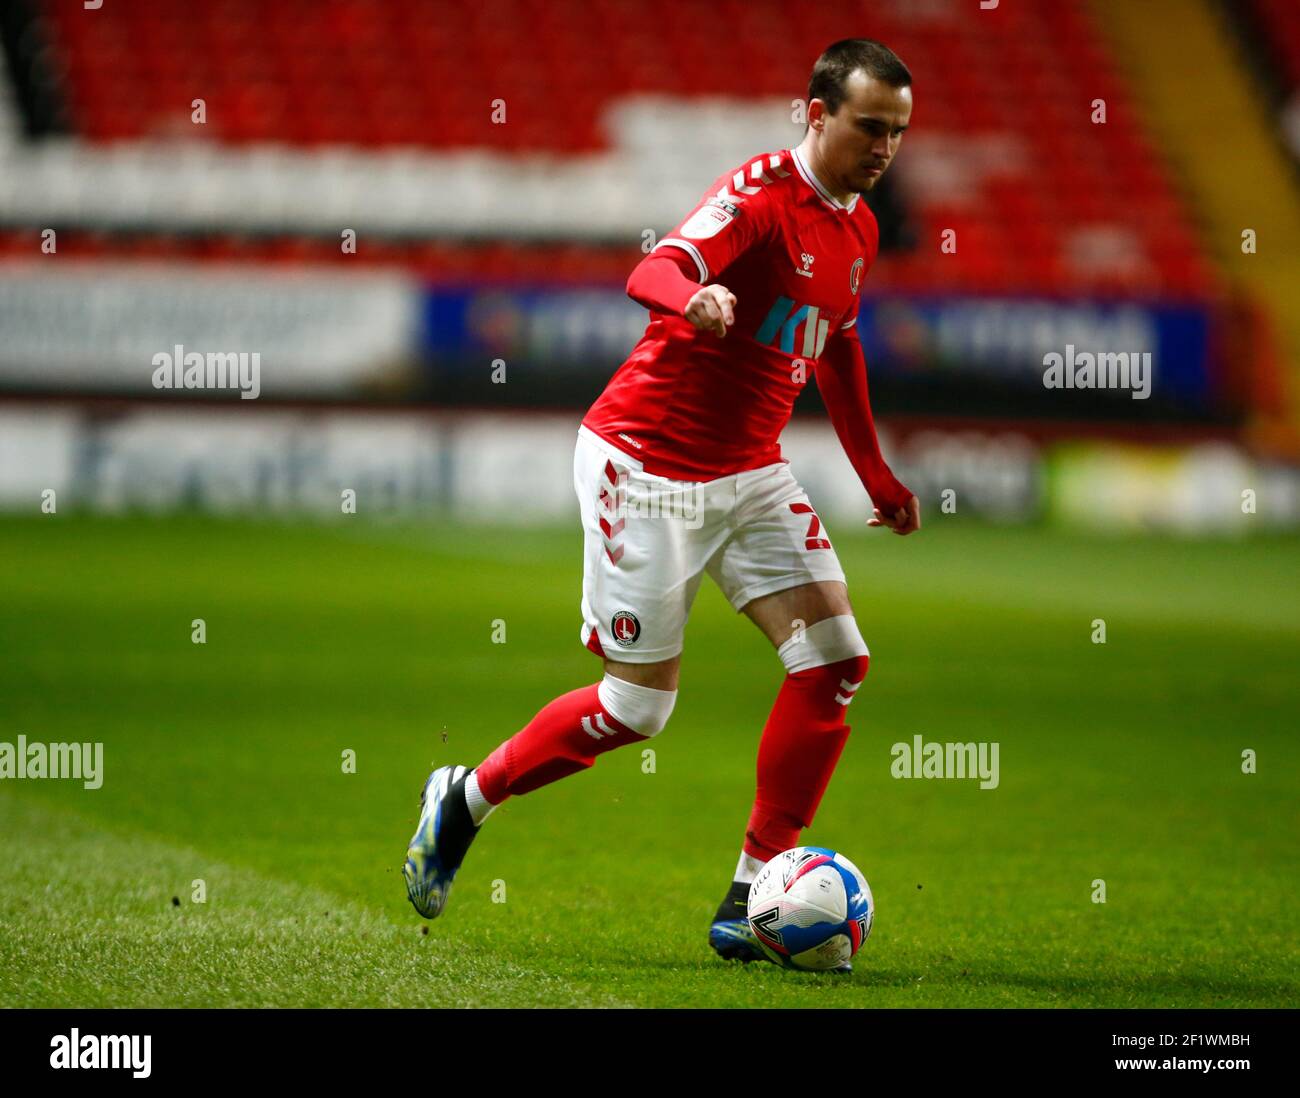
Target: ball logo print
column 625, row 627
column 765, row 926
column 791, row 868
column 810, row 908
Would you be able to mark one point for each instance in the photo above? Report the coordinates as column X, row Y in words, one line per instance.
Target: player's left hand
column 903, row 521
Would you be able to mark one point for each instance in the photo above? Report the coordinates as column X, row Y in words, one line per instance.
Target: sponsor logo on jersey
column 625, row 628
column 722, row 203
column 783, row 322
column 855, row 274
column 806, row 269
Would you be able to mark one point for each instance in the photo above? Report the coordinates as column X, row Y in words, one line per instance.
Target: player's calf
column 569, row 733
column 564, row 738
column 806, row 731
column 802, row 741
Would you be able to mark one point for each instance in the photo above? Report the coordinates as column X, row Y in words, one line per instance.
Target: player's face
column 859, row 141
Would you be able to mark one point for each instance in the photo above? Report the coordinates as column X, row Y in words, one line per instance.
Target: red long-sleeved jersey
column 692, row 406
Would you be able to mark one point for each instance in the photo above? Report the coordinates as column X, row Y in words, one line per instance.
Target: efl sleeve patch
column 707, row 221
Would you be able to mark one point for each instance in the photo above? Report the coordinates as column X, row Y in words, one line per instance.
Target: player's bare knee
column 833, row 641
column 643, row 709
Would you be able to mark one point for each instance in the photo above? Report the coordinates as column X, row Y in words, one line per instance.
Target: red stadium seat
column 424, row 72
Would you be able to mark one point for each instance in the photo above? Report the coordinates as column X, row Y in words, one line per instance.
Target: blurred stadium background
column 386, row 199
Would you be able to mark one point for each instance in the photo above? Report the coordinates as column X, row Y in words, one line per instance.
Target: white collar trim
column 808, row 177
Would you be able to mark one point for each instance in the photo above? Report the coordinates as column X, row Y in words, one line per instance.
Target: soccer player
column 678, row 472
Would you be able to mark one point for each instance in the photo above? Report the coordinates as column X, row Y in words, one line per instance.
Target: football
column 810, row 908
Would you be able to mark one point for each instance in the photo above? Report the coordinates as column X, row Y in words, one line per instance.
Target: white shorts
column 648, row 540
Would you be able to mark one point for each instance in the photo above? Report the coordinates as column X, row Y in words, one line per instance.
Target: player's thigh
column 779, row 614
column 642, row 564
column 658, row 676
column 779, row 566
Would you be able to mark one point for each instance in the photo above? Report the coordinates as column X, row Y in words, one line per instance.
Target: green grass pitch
column 223, row 764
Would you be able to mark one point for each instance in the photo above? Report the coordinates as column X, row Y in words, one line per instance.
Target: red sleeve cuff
column 660, row 281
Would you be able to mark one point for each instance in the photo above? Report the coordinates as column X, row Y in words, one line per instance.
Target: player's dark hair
column 843, row 58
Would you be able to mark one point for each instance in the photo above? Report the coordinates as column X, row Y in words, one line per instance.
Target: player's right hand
column 712, row 309
column 904, row 521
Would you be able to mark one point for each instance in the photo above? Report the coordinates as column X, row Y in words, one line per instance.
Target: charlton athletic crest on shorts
column 625, row 628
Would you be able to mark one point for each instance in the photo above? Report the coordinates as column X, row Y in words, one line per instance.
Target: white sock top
column 480, row 808
column 747, row 868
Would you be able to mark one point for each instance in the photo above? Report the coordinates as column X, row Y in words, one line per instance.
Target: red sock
column 564, row 738
column 801, row 744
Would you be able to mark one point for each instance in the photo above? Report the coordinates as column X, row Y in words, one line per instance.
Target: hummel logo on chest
column 806, row 270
